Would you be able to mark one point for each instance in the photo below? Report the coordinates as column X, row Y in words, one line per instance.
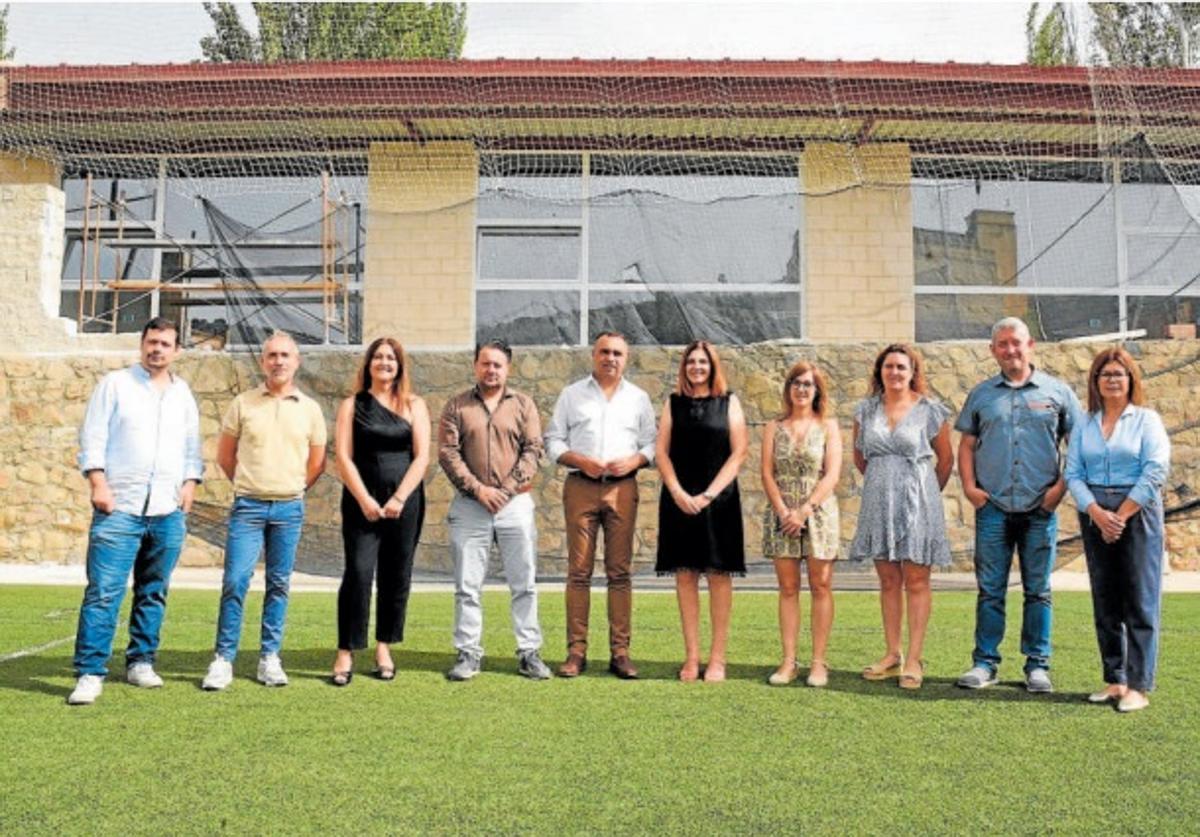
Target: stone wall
column 43, row 502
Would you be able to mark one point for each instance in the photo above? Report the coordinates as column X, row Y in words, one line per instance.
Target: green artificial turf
column 502, row 754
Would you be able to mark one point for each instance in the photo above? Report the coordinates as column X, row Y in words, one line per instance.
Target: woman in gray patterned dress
column 899, row 433
column 801, row 463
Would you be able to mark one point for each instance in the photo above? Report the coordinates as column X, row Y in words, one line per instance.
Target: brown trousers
column 588, row 506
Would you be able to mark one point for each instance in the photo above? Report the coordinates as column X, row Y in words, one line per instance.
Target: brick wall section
column 420, row 259
column 858, row 242
column 43, row 502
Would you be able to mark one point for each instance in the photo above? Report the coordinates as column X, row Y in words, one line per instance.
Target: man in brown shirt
column 489, row 445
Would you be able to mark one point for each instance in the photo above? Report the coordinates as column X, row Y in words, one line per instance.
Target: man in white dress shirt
column 603, row 431
column 139, row 449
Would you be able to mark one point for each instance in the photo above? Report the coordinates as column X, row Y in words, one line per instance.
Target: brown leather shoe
column 573, row 666
column 623, row 667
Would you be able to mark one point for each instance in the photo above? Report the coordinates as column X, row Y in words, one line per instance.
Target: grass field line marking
column 37, row 649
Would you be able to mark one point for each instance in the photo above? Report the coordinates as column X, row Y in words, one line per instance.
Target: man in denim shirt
column 139, row 449
column 1008, row 459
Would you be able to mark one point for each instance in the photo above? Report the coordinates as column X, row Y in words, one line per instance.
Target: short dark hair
column 497, row 344
column 160, row 324
column 617, row 334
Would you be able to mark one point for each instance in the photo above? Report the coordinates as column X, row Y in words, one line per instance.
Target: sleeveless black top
column 383, row 453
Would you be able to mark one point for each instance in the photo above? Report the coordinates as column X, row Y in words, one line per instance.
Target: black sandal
column 341, row 678
column 385, row 672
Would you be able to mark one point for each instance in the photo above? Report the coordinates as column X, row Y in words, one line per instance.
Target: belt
column 603, row 478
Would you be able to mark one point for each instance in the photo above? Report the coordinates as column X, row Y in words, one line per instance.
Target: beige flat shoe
column 1132, row 702
column 1105, row 696
column 818, row 674
column 785, row 674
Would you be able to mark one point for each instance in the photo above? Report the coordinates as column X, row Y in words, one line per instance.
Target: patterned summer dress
column 797, row 471
column 901, row 516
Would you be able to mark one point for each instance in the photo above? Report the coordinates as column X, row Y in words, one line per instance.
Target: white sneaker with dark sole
column 1037, row 681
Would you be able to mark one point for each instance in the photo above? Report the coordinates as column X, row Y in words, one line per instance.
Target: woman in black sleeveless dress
column 702, row 443
column 382, row 440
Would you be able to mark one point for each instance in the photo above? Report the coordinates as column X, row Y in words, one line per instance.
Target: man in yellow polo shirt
column 273, row 448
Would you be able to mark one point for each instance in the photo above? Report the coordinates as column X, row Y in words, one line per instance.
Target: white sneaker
column 977, row 677
column 142, row 675
column 220, row 674
column 270, row 671
column 87, row 688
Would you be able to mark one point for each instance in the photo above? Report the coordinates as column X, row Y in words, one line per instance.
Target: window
column 664, row 248
column 1074, row 249
column 232, row 249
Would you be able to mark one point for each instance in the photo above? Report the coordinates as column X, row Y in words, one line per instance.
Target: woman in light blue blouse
column 1117, row 462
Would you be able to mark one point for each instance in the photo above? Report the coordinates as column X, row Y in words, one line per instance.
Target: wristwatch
column 708, row 495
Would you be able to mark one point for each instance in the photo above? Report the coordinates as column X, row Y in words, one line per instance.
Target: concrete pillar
column 858, row 242
column 420, row 253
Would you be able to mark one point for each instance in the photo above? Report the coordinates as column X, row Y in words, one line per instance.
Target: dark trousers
column 389, row 545
column 1126, row 579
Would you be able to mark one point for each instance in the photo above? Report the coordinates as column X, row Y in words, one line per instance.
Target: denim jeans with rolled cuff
column 120, row 543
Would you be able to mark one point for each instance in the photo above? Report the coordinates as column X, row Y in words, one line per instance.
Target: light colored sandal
column 878, row 671
column 913, row 681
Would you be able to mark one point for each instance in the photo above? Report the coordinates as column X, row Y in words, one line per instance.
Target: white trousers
column 473, row 530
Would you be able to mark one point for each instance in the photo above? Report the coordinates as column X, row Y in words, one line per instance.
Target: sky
column 978, row 32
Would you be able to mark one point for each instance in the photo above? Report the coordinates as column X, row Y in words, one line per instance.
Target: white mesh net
column 665, row 199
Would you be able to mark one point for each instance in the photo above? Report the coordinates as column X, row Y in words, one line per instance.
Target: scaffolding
column 108, row 225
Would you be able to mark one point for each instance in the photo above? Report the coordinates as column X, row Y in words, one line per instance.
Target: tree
column 1142, row 34
column 6, row 52
column 1052, row 42
column 331, row 31
column 231, row 41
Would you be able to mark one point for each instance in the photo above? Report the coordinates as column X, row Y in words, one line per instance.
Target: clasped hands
column 690, row 504
column 1110, row 524
column 793, row 521
column 390, row 510
column 616, row 468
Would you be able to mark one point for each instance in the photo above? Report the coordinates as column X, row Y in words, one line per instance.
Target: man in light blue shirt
column 140, row 452
column 1012, row 427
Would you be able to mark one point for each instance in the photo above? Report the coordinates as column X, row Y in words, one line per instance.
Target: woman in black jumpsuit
column 382, row 440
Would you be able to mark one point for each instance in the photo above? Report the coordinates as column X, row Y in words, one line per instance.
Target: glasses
column 1114, row 376
column 797, row 384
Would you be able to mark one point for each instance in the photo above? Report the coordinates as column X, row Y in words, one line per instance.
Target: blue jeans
column 119, row 543
column 253, row 525
column 1033, row 535
column 1126, row 581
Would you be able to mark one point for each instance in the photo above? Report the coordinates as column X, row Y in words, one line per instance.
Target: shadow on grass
column 52, row 675
column 936, row 689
